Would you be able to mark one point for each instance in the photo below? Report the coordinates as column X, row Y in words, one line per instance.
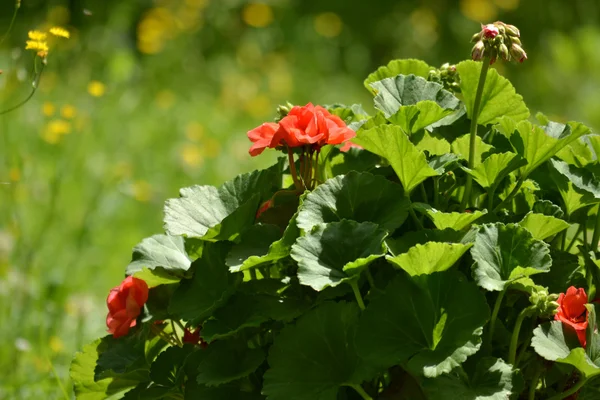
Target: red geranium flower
column 193, row 337
column 262, row 137
column 307, row 125
column 312, row 125
column 572, row 311
column 125, row 303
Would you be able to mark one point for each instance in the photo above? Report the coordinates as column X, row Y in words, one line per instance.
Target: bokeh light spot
column 194, row 131
column 96, row 88
column 478, row 10
column 68, row 111
column 257, row 15
column 191, row 155
column 328, row 24
column 48, row 109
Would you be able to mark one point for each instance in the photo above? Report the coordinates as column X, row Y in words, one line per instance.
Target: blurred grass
column 147, row 97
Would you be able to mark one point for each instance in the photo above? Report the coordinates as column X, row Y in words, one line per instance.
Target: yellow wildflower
column 60, row 32
column 96, row 88
column 37, row 36
column 36, row 45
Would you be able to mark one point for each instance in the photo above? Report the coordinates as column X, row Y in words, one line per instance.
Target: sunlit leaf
column 543, row 226
column 429, row 257
column 461, row 147
column 408, row 161
column 397, row 67
column 499, row 98
column 495, row 168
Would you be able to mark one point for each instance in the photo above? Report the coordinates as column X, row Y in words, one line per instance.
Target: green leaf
column 433, row 143
column 119, row 356
column 573, row 197
column 546, row 207
column 193, row 391
column 311, row 359
column 414, row 118
column 209, row 213
column 167, row 370
column 565, row 272
column 424, row 319
column 406, row 159
column 410, row 90
column 577, row 153
column 453, row 220
column 537, row 146
column 462, row 144
column 255, row 247
column 495, row 168
column 430, row 257
column 212, row 284
column 333, row 162
column 112, row 386
column 499, row 98
column 164, row 251
column 493, row 380
column 250, row 310
column 555, row 342
column 503, row 253
column 397, row 67
column 543, row 226
column 403, row 243
column 225, row 361
column 581, row 178
column 356, row 196
column 157, row 276
column 337, row 252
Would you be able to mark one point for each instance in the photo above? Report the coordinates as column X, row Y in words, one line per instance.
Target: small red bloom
column 307, row 125
column 193, row 337
column 264, row 207
column 572, row 311
column 262, row 137
column 490, row 31
column 349, row 145
column 125, row 303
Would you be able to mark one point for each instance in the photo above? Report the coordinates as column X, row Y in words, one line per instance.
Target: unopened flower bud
column 284, row 109
column 476, row 37
column 515, row 40
column 477, row 51
column 512, row 30
column 489, row 31
column 518, row 53
column 503, row 51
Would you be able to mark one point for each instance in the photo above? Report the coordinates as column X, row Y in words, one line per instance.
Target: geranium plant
column 441, row 247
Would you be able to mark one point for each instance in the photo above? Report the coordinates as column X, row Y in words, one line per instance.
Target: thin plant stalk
column 473, row 132
column 534, row 381
column 575, row 236
column 357, row 294
column 436, row 192
column 512, row 194
column 495, row 315
column 514, row 340
column 574, row 389
column 293, row 171
column 361, row 391
column 35, row 84
column 12, row 21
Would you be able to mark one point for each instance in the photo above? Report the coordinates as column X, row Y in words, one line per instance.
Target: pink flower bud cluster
column 498, row 40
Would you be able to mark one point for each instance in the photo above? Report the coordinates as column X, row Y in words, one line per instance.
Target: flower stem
column 514, row 340
column 534, row 381
column 512, row 194
column 436, row 192
column 35, row 84
column 293, row 172
column 357, row 294
column 495, row 315
column 370, row 278
column 596, row 234
column 414, row 216
column 579, row 230
column 12, row 21
column 361, row 391
column 574, row 389
column 474, row 117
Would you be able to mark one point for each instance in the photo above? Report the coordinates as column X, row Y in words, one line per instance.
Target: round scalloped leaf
column 208, row 213
column 493, row 380
column 538, row 146
column 555, row 342
column 211, row 285
column 452, row 220
column 429, row 257
column 543, row 226
column 250, row 310
column 225, row 361
column 581, row 178
column 499, row 98
column 504, row 253
column 111, row 385
column 433, row 320
column 495, row 168
column 160, row 251
column 311, row 359
column 460, row 146
column 416, row 117
column 410, row 90
column 397, row 67
column 358, row 197
column 337, row 252
column 254, row 248
column 391, row 143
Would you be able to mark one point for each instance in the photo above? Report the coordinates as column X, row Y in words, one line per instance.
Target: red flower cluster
column 193, row 337
column 572, row 311
column 125, row 303
column 308, row 125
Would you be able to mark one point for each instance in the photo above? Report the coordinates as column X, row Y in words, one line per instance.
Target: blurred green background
column 149, row 96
